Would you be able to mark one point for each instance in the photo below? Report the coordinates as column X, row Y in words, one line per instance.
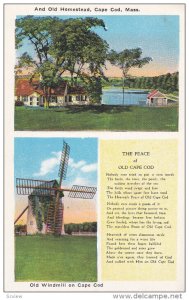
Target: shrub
column 19, row 103
column 69, row 230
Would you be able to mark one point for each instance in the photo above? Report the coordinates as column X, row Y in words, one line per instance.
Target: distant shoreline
column 125, row 89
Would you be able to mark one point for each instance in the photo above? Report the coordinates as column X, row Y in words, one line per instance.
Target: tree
column 82, row 52
column 94, row 227
column 126, row 60
column 93, row 86
column 37, row 31
column 175, row 82
column 59, row 46
column 69, row 229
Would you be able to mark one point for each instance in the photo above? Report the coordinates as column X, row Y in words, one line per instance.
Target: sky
column 39, row 158
column 158, row 36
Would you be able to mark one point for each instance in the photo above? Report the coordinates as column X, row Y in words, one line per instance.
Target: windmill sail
column 35, row 187
column 64, row 162
column 55, row 217
column 55, row 214
column 84, row 192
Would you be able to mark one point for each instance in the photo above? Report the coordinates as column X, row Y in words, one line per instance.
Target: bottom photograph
column 55, row 222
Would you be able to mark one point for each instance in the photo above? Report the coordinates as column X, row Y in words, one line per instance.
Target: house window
column 83, row 98
column 31, row 223
column 152, row 100
column 25, row 98
column 31, row 100
column 78, row 98
column 38, row 100
column 70, row 98
column 53, row 99
column 18, row 98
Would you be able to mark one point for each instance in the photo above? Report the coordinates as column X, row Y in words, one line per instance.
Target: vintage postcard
column 94, row 142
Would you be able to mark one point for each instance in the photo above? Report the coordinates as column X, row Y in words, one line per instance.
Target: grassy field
column 49, row 258
column 128, row 118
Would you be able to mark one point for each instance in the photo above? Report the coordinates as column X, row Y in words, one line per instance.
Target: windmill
column 45, row 207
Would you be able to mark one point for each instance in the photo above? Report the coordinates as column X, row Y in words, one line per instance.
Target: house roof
column 26, row 87
column 156, row 94
column 152, row 93
column 59, row 91
column 76, row 90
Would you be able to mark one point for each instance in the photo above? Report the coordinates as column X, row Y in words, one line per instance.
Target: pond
column 114, row 96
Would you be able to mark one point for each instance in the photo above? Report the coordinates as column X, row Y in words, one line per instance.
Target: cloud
column 48, row 165
column 81, row 181
column 76, row 165
column 82, row 166
column 89, row 168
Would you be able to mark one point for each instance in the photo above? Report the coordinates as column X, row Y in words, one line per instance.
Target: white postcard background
column 10, row 13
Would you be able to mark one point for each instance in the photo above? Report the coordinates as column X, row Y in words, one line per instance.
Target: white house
column 156, row 98
column 31, row 93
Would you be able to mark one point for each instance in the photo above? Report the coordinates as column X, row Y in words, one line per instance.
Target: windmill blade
column 35, row 187
column 84, row 192
column 64, row 161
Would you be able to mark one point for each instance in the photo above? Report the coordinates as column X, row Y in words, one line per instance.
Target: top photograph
column 96, row 73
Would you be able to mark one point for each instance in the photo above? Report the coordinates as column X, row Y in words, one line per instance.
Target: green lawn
column 50, row 258
column 129, row 118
